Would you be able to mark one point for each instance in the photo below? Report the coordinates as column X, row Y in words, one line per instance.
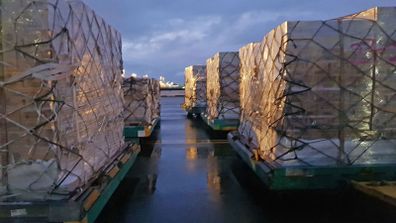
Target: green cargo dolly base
column 86, row 207
column 140, row 130
column 302, row 177
column 220, row 124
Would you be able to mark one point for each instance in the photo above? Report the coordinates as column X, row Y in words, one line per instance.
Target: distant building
column 168, row 84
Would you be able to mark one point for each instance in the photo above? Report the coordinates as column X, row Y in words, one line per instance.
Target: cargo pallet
column 284, row 178
column 221, row 124
column 139, row 130
column 85, row 209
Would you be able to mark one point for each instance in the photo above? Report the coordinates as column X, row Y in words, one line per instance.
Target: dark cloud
column 163, row 37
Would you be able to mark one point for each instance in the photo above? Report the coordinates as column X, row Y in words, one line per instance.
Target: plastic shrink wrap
column 222, row 86
column 60, row 98
column 195, row 86
column 142, row 97
column 323, row 92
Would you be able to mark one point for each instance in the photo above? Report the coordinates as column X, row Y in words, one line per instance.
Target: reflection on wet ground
column 187, row 173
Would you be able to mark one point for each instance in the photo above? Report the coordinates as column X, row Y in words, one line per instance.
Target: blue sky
column 163, row 37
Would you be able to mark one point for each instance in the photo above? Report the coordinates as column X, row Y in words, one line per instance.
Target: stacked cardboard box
column 141, row 100
column 195, row 86
column 222, row 88
column 326, row 89
column 248, row 87
column 60, row 96
column 380, row 48
column 156, row 98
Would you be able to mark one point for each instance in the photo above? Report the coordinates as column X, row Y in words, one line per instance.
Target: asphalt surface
column 187, row 173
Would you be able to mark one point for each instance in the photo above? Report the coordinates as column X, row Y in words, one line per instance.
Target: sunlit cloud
column 162, row 39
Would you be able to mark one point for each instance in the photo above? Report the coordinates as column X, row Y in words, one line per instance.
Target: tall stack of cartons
column 327, row 90
column 249, row 85
column 156, row 98
column 60, row 96
column 141, row 101
column 195, row 86
column 222, row 88
column 380, row 49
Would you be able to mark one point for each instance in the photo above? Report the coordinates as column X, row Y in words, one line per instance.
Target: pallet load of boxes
column 318, row 102
column 221, row 111
column 222, row 91
column 314, row 101
column 62, row 113
column 142, row 106
column 195, row 90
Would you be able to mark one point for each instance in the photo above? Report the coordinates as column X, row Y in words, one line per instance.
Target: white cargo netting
column 142, row 101
column 195, row 86
column 222, row 86
column 323, row 92
column 61, row 99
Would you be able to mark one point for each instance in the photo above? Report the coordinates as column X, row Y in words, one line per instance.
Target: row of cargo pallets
column 303, row 115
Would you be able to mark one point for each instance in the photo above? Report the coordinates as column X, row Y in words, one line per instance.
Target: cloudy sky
column 163, row 37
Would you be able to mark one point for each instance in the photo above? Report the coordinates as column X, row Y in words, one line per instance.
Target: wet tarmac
column 187, row 173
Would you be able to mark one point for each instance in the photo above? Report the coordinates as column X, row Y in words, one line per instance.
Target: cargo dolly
column 302, row 177
column 85, row 207
column 220, row 124
column 139, row 130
